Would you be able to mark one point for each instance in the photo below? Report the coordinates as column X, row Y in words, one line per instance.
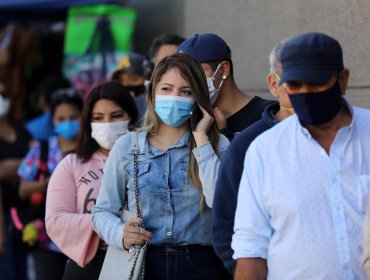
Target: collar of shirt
column 152, row 152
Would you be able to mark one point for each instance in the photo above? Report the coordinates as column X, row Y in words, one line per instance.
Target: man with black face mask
column 131, row 71
column 302, row 195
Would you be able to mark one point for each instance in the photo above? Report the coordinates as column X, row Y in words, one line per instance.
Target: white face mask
column 107, row 133
column 4, row 106
column 213, row 92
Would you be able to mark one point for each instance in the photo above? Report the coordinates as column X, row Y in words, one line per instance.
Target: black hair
column 164, row 39
column 214, row 65
column 49, row 85
column 65, row 96
column 115, row 92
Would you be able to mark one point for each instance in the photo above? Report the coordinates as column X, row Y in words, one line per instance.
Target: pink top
column 72, row 192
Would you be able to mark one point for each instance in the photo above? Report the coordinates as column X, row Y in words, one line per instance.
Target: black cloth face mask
column 136, row 90
column 315, row 108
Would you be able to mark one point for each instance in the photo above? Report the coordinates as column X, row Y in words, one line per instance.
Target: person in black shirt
column 14, row 144
column 234, row 109
column 231, row 168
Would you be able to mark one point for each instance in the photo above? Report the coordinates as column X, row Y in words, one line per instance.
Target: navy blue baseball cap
column 206, row 48
column 133, row 63
column 311, row 57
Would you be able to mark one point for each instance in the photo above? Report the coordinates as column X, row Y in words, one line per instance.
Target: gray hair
column 274, row 57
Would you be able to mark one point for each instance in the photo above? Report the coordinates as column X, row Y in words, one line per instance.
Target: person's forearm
column 251, row 269
column 8, row 170
column 27, row 188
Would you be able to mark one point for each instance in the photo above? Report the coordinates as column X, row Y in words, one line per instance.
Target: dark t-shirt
column 17, row 149
column 245, row 117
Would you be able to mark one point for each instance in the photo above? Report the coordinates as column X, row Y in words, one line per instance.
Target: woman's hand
column 134, row 235
column 200, row 133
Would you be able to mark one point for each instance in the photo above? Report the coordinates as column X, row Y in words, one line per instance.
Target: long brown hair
column 193, row 73
column 114, row 91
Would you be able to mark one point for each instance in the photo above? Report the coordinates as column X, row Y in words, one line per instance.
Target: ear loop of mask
column 223, row 77
column 289, row 109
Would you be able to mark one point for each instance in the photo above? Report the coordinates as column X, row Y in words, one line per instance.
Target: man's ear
column 225, row 68
column 343, row 80
column 273, row 84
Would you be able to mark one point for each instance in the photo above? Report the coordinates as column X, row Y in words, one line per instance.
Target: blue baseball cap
column 206, row 48
column 133, row 63
column 311, row 57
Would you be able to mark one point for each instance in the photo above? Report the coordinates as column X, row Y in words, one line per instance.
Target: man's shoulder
column 277, row 135
column 362, row 119
column 361, row 113
column 258, row 104
column 247, row 135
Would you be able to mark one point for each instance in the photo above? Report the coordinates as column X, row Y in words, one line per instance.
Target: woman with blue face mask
column 35, row 171
column 177, row 172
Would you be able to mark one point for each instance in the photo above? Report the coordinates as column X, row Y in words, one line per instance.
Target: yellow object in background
column 30, row 234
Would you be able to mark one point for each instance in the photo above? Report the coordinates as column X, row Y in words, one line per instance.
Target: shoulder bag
column 126, row 264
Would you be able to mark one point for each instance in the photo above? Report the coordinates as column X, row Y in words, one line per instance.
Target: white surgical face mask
column 107, row 133
column 4, row 106
column 213, row 92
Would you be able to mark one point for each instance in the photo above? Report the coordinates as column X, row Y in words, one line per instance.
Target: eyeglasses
column 60, row 93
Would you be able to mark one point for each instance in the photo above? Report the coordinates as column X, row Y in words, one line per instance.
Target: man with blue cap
column 234, row 109
column 303, row 191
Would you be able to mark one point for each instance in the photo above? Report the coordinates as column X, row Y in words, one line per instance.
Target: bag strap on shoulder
column 135, row 150
column 134, row 142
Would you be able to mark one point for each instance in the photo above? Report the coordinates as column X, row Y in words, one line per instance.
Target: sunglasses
column 64, row 93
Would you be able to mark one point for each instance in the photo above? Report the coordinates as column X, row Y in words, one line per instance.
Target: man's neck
column 283, row 114
column 325, row 134
column 231, row 99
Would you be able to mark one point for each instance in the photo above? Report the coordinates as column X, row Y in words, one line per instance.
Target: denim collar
column 151, row 152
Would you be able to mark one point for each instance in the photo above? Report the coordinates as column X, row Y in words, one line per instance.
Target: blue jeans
column 187, row 262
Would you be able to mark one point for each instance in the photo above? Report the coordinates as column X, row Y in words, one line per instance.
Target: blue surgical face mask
column 173, row 110
column 67, row 129
column 315, row 108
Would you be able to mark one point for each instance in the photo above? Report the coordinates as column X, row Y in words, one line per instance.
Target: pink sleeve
column 71, row 231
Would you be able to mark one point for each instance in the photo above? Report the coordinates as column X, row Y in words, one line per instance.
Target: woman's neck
column 7, row 132
column 104, row 151
column 167, row 136
column 66, row 145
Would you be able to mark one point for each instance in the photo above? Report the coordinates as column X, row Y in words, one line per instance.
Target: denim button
column 169, row 212
column 169, row 233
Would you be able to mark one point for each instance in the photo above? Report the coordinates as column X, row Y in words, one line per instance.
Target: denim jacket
column 170, row 204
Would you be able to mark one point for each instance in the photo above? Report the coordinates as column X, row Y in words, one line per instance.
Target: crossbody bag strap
column 135, row 150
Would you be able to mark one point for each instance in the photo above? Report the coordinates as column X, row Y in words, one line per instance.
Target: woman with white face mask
column 108, row 113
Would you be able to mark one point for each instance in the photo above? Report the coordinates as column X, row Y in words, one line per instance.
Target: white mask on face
column 107, row 133
column 213, row 92
column 4, row 106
